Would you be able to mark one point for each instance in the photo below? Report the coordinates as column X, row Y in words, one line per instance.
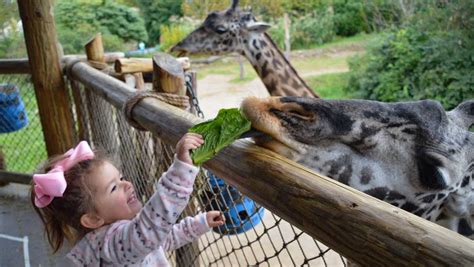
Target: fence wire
column 22, row 145
column 251, row 235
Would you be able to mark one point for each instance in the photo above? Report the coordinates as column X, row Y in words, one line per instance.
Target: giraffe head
column 414, row 155
column 222, row 32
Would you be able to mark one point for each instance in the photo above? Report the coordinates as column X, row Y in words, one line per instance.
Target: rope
column 175, row 100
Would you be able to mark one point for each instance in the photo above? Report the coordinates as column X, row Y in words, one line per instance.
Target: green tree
column 8, row 11
column 12, row 43
column 266, row 8
column 158, row 13
column 119, row 24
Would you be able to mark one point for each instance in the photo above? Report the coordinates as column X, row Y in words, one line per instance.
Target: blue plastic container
column 12, row 109
column 241, row 213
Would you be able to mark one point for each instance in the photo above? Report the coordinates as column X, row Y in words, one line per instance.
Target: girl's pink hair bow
column 53, row 184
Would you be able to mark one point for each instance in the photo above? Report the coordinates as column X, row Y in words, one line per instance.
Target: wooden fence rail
column 22, row 65
column 359, row 227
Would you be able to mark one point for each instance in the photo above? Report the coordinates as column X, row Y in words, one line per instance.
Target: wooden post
column 241, row 66
column 50, row 89
column 168, row 75
column 287, row 22
column 95, row 49
column 100, row 116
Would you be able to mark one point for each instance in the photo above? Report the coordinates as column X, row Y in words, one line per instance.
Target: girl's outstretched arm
column 126, row 242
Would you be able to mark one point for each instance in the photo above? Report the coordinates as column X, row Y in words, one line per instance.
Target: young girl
column 83, row 198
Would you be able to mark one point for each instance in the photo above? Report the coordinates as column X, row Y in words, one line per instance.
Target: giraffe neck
column 278, row 75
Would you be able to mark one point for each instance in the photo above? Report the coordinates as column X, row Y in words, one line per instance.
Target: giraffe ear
column 258, row 26
column 464, row 112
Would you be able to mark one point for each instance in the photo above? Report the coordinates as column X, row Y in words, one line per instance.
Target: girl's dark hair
column 62, row 217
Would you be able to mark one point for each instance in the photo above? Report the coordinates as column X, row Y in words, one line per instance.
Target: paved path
column 22, row 242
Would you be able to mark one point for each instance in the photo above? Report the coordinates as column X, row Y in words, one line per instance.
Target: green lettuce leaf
column 218, row 133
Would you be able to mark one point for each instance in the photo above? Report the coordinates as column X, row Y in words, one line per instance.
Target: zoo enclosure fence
column 97, row 100
column 268, row 239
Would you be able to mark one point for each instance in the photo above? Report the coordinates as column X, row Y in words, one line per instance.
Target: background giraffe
column 237, row 31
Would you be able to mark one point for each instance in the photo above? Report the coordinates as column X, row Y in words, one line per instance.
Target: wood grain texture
column 168, row 75
column 15, row 66
column 22, row 65
column 132, row 65
column 53, row 102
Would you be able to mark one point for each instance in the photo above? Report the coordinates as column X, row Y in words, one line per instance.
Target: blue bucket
column 241, row 213
column 12, row 109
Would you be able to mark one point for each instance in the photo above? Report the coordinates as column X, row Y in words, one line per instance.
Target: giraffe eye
column 221, row 29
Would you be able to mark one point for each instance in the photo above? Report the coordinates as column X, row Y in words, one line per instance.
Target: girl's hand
column 187, row 142
column 215, row 218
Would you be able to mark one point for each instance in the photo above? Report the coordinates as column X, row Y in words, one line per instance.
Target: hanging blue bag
column 12, row 109
column 241, row 213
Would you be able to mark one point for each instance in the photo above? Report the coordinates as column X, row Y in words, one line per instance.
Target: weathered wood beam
column 13, row 177
column 133, row 65
column 22, row 66
column 358, row 226
column 53, row 101
column 15, row 66
column 168, row 75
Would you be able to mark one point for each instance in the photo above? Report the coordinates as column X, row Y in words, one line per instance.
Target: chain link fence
column 22, row 144
column 251, row 235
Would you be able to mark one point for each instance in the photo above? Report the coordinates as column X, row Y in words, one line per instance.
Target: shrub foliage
column 77, row 22
column 432, row 57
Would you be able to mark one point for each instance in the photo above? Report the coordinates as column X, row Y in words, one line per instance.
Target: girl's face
column 114, row 197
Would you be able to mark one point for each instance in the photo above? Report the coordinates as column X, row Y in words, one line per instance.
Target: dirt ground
column 215, row 91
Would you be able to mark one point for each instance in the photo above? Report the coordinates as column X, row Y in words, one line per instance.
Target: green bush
column 356, row 16
column 12, row 45
column 77, row 22
column 349, row 17
column 307, row 31
column 432, row 58
column 172, row 34
column 313, row 29
column 158, row 13
column 277, row 32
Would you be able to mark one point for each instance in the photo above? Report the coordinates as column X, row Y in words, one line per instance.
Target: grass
column 327, row 59
column 228, row 66
column 330, row 86
column 305, row 64
column 323, row 62
column 359, row 40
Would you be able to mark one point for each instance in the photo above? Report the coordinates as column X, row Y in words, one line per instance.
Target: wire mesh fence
column 21, row 137
column 251, row 235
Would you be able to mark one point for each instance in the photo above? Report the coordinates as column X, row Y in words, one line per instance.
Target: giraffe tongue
column 252, row 133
